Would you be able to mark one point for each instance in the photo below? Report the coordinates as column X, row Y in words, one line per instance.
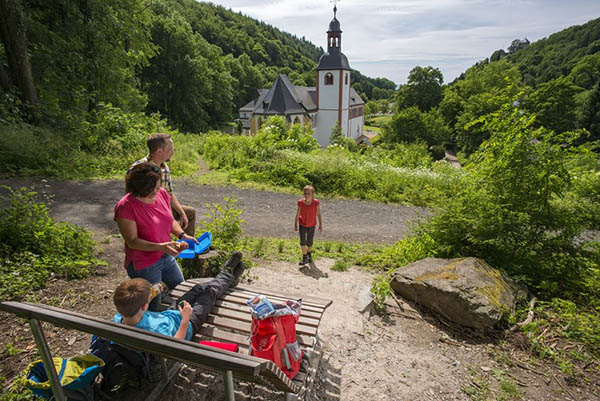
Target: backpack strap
column 281, row 340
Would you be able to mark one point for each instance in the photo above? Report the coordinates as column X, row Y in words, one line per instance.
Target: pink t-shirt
column 154, row 222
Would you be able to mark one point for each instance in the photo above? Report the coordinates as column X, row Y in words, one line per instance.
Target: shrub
column 224, row 223
column 102, row 143
column 34, row 247
column 512, row 211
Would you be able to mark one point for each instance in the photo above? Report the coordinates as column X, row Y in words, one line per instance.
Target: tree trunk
column 14, row 37
column 5, row 81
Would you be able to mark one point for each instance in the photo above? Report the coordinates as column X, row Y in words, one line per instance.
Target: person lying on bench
column 132, row 298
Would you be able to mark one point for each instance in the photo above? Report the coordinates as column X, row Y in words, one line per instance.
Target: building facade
column 332, row 101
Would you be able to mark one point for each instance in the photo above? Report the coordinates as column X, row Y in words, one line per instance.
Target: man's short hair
column 157, row 141
column 141, row 179
column 131, row 295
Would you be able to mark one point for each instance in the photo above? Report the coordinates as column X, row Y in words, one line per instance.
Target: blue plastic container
column 194, row 249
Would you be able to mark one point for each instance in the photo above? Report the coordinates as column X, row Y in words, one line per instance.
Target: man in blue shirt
column 133, row 296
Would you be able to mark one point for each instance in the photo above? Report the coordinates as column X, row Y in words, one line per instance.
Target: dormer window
column 329, row 79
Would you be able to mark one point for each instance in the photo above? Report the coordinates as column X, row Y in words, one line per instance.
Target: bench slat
column 240, row 297
column 306, row 317
column 237, row 302
column 243, row 329
column 246, row 317
column 312, row 301
column 240, row 288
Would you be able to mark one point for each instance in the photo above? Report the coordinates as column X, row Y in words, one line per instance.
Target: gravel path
column 268, row 214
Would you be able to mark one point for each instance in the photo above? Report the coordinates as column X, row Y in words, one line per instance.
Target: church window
column 346, row 79
column 329, row 79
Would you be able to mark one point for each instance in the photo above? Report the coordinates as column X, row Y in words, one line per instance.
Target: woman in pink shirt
column 306, row 217
column 146, row 223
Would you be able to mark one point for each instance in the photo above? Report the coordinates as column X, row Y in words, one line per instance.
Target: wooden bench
column 230, row 321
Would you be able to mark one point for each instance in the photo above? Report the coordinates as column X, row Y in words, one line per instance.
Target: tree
column 383, row 106
column 423, row 89
column 484, row 89
column 14, row 37
column 554, row 104
column 371, row 107
column 407, row 125
column 591, row 113
column 187, row 81
column 508, row 209
column 336, row 135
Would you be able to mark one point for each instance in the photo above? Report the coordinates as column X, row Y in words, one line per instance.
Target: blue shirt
column 166, row 322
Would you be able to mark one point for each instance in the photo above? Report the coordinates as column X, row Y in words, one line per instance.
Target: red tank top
column 308, row 213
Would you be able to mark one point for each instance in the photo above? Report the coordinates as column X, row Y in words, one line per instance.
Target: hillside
column 254, row 53
column 558, row 54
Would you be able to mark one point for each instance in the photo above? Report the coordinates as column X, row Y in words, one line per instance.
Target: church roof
column 355, row 99
column 334, row 25
column 334, row 59
column 283, row 98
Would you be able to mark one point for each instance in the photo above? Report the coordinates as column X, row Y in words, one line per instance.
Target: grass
column 372, row 128
column 288, row 249
column 379, row 120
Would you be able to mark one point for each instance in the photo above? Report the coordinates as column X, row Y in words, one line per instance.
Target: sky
column 387, row 38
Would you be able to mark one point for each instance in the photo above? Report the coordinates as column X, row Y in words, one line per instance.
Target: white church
column 332, row 101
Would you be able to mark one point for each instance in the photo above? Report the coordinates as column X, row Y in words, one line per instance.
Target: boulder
column 466, row 291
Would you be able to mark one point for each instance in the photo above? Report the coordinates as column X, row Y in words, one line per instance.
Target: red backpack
column 273, row 337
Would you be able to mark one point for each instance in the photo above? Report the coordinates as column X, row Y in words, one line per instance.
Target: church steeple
column 334, row 58
column 334, row 34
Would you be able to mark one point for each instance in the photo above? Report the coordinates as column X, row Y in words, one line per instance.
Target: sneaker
column 232, row 262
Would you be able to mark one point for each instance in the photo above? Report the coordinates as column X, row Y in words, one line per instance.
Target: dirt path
column 403, row 355
column 268, row 214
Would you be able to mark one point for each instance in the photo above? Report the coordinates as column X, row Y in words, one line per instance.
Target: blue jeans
column 166, row 270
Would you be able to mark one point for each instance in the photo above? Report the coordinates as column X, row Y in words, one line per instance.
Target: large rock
column 467, row 291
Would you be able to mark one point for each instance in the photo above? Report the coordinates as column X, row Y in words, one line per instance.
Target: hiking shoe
column 304, row 260
column 232, row 262
column 309, row 258
column 237, row 272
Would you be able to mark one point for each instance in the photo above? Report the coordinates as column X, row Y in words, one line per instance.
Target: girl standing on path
column 306, row 217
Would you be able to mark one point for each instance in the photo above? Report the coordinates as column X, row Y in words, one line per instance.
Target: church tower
column 332, row 86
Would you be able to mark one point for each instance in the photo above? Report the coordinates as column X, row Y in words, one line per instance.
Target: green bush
column 515, row 211
column 398, row 173
column 224, row 223
column 103, row 144
column 34, row 247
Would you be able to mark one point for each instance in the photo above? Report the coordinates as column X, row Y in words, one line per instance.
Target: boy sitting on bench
column 132, row 298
